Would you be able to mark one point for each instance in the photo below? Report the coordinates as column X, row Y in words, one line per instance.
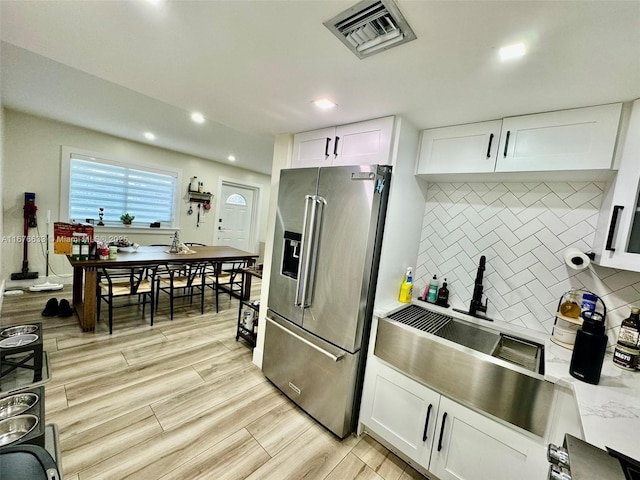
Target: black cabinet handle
column 444, row 419
column 335, row 147
column 489, row 147
column 326, row 147
column 612, row 227
column 506, row 143
column 426, row 424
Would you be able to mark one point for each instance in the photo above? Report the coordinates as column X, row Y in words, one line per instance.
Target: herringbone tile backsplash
column 523, row 230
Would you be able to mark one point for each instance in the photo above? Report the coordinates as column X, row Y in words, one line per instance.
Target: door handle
column 335, row 147
column 326, row 147
column 612, row 227
column 308, row 250
column 426, row 423
column 444, row 419
column 301, row 275
column 333, row 357
column 489, row 147
column 506, row 143
column 312, row 248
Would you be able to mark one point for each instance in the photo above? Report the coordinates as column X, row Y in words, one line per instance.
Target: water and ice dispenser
column 291, row 254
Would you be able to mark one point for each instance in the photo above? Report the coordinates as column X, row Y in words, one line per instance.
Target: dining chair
column 182, row 280
column 226, row 277
column 126, row 282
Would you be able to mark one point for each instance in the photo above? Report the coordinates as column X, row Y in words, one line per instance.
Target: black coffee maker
column 589, row 349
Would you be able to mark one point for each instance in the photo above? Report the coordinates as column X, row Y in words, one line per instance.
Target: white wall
column 403, row 220
column 281, row 159
column 523, row 230
column 32, row 147
column 2, row 174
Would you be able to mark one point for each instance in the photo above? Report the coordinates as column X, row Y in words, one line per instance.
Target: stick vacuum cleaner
column 29, row 221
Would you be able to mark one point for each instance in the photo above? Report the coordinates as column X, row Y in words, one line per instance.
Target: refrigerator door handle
column 302, row 265
column 310, row 264
column 308, row 249
column 335, row 358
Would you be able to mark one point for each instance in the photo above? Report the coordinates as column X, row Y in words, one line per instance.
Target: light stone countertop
column 610, row 411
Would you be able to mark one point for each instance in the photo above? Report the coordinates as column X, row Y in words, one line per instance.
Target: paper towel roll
column 575, row 259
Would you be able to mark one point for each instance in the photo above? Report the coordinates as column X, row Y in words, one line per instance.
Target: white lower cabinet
column 443, row 437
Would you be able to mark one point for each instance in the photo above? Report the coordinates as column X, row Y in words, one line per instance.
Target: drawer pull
column 333, row 357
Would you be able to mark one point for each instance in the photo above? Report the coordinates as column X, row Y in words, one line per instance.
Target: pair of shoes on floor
column 53, row 308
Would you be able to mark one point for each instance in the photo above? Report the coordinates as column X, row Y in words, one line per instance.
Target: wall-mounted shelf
column 198, row 197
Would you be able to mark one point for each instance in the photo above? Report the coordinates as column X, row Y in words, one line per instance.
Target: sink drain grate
column 418, row 317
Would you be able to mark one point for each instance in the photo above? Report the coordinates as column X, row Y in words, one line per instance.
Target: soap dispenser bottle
column 406, row 288
column 443, row 295
column 432, row 294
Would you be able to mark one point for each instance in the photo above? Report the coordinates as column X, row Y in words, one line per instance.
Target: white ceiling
column 253, row 67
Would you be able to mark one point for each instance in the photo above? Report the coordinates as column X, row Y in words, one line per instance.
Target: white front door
column 233, row 226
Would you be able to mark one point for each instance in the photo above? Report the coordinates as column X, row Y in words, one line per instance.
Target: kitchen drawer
column 314, row 374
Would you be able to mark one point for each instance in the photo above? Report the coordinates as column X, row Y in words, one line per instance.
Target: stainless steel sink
column 469, row 335
column 520, row 352
column 475, row 380
column 479, row 338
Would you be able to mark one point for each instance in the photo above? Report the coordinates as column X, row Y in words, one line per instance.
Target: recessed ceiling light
column 149, row 136
column 510, row 52
column 197, row 117
column 324, row 103
column 231, row 158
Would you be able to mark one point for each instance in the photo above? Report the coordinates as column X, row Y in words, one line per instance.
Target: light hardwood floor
column 181, row 400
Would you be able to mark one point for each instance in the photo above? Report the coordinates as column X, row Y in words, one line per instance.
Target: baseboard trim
column 257, row 357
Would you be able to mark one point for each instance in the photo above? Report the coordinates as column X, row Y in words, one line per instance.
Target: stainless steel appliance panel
column 316, row 375
column 295, row 185
column 347, row 219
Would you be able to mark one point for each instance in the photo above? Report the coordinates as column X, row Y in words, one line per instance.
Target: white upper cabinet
column 578, row 139
column 312, row 149
column 362, row 143
column 568, row 140
column 470, row 148
column 617, row 240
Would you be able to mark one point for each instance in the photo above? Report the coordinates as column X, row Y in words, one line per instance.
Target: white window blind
column 95, row 183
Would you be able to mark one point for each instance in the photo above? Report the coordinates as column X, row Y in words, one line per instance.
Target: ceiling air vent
column 371, row 27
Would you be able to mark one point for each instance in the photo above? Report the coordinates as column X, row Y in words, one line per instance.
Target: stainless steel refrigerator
column 328, row 234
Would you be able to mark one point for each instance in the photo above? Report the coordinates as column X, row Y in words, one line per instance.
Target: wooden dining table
column 85, row 272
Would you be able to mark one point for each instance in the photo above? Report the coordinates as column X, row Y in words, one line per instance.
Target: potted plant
column 127, row 219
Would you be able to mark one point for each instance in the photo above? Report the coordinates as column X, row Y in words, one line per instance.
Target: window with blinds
column 147, row 194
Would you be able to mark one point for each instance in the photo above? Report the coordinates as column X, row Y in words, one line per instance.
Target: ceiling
column 253, row 67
